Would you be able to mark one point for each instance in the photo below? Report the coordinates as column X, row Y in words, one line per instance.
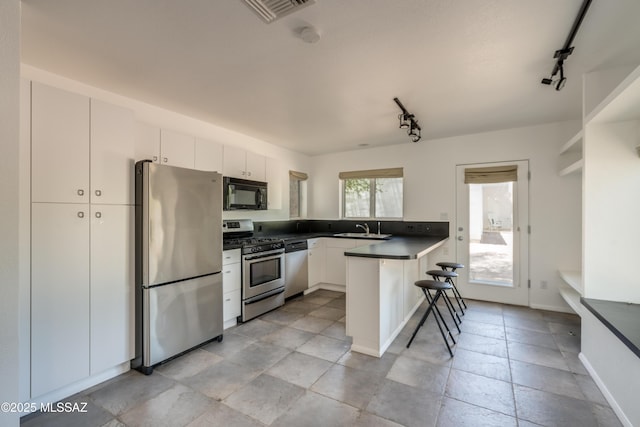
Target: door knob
column 460, row 228
column 460, row 238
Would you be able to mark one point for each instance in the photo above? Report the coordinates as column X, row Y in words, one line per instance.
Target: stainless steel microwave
column 244, row 194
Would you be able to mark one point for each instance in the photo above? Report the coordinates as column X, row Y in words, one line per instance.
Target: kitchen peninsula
column 381, row 296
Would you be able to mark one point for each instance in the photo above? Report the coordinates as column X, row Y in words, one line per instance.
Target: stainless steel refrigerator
column 178, row 261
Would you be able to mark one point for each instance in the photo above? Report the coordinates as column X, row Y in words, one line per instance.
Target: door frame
column 519, row 294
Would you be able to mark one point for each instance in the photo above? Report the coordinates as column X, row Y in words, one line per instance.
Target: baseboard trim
column 79, row 386
column 605, row 391
column 326, row 286
column 552, row 308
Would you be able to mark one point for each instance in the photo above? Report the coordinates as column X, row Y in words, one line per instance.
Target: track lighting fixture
column 408, row 121
column 562, row 54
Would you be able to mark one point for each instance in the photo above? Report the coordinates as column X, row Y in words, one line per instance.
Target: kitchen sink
column 363, row 235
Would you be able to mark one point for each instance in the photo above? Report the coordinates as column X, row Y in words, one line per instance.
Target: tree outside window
column 378, row 197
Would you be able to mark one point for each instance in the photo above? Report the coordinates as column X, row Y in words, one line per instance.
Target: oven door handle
column 274, row 254
column 264, row 296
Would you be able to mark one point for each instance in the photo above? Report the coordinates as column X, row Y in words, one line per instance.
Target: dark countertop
column 621, row 318
column 398, row 247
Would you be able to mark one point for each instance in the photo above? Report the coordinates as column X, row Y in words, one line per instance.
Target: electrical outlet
column 543, row 284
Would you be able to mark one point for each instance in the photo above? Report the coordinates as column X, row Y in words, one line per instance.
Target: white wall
column 611, row 212
column 174, row 121
column 9, row 225
column 429, row 171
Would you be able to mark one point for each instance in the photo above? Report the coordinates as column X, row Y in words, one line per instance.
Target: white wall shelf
column 572, row 278
column 574, row 167
column 573, row 143
column 571, row 290
column 571, row 158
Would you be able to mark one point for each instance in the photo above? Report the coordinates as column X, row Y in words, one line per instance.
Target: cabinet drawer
column 314, row 243
column 231, row 256
column 231, row 277
column 230, row 305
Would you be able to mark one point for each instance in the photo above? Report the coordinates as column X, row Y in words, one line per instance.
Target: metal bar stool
column 444, row 265
column 439, row 287
column 444, row 276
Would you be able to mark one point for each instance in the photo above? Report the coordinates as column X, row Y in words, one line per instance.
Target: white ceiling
column 461, row 66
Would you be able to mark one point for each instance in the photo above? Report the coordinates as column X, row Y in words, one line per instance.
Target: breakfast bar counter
column 381, row 296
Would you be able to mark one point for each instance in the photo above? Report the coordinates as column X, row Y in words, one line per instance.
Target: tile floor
column 513, row 366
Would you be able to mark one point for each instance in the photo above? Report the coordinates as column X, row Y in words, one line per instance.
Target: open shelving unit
column 571, row 290
column 571, row 155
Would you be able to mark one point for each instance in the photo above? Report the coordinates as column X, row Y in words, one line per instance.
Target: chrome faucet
column 365, row 227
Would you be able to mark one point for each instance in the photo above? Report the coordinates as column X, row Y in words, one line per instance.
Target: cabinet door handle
column 228, row 299
column 227, row 272
column 164, row 159
column 98, row 215
column 244, row 173
column 80, row 214
column 80, row 192
column 155, row 158
column 248, row 173
column 98, row 193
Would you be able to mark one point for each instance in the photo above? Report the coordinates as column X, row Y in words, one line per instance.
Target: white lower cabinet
column 231, row 286
column 81, row 292
column 112, row 278
column 59, row 295
column 316, row 261
column 336, row 272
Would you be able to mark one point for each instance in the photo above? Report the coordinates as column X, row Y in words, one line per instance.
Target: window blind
column 491, row 175
column 372, row 173
column 300, row 176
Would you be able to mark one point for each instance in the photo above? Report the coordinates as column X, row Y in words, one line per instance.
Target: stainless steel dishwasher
column 296, row 270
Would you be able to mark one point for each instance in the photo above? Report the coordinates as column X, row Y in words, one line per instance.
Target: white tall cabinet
column 81, row 238
column 59, row 295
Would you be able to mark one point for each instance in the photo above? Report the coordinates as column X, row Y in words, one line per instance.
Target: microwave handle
column 259, row 198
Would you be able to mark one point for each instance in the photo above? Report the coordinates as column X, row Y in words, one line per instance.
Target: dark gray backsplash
column 398, row 228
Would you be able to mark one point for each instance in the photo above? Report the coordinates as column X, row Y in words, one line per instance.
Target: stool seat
column 433, row 285
column 449, row 264
column 442, row 273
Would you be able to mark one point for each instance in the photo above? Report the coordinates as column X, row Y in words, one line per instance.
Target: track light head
column 408, row 121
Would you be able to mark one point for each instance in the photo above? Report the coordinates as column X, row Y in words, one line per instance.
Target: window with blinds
column 297, row 181
column 375, row 193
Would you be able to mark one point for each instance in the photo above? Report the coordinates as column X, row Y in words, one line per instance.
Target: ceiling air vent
column 271, row 10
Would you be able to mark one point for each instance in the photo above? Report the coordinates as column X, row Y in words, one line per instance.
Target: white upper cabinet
column 239, row 163
column 60, row 145
column 147, row 142
column 112, row 153
column 256, row 167
column 176, row 149
column 208, row 155
column 77, row 141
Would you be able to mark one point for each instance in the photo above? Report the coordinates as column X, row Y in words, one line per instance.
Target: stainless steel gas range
column 262, row 268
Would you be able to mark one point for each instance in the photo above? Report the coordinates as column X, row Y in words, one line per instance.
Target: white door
column 492, row 236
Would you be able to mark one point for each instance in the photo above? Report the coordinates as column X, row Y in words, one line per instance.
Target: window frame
column 372, row 200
